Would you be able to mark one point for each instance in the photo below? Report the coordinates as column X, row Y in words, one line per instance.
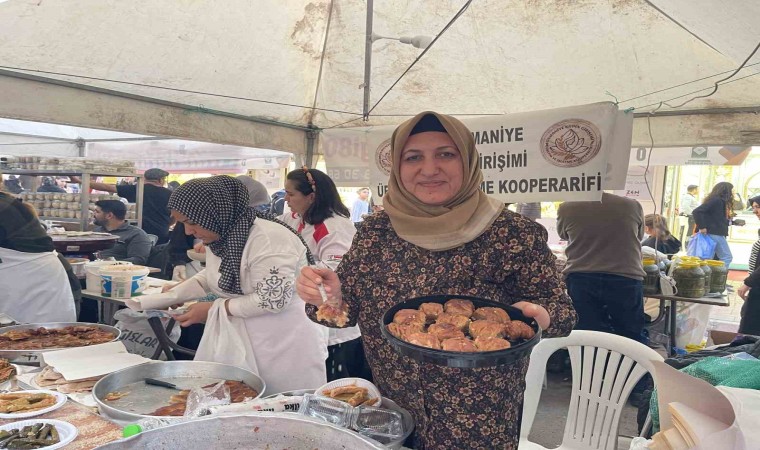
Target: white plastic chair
column 606, row 367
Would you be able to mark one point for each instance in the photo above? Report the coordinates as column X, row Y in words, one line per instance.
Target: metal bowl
column 32, row 357
column 184, row 374
column 518, row 351
column 256, row 431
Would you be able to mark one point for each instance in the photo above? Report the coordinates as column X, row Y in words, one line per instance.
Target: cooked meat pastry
column 519, row 330
column 459, row 306
column 72, row 336
column 489, row 344
column 486, row 328
column 424, row 340
column 445, row 331
column 492, row 314
column 459, row 321
column 404, row 331
column 407, row 316
column 330, row 313
column 431, row 311
column 7, row 370
column 459, row 345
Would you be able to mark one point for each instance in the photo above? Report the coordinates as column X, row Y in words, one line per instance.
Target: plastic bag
column 640, row 443
column 701, row 246
column 137, row 335
column 691, row 323
column 200, row 399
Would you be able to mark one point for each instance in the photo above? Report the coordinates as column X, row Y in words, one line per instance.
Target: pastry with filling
column 459, row 306
column 445, row 331
column 7, row 370
column 409, row 316
column 424, row 340
column 334, row 314
column 404, row 331
column 489, row 344
column 518, row 330
column 492, row 314
column 486, row 328
column 459, row 345
column 459, row 321
column 431, row 311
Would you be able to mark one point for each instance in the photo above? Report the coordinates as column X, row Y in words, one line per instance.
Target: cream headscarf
column 463, row 218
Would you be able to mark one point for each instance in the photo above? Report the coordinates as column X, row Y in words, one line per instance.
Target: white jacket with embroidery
column 290, row 349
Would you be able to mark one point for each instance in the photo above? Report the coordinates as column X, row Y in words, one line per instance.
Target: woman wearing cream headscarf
column 440, row 234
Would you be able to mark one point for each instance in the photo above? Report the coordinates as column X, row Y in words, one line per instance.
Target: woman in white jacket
column 324, row 223
column 258, row 321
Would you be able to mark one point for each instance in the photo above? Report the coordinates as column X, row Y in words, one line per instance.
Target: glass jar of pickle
column 652, row 276
column 708, row 274
column 690, row 280
column 718, row 277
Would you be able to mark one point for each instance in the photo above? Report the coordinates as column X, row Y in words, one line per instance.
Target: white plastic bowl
column 374, row 392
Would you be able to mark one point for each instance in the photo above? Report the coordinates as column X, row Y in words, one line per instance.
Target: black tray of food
column 518, row 350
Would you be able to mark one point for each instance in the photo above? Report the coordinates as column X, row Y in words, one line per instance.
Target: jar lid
column 648, row 261
column 688, row 265
column 714, row 263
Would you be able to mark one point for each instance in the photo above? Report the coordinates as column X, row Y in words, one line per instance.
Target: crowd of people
column 268, row 266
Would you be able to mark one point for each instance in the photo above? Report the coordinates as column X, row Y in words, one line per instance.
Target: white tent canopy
column 261, row 74
column 19, row 137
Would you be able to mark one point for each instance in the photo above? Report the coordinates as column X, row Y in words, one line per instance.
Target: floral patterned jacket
column 509, row 262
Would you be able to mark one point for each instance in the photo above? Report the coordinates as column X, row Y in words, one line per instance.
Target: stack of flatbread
column 50, row 379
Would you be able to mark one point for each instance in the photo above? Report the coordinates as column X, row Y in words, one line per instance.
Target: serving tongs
column 165, row 384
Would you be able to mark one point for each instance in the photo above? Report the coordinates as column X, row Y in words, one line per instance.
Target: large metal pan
column 32, row 357
column 144, row 399
column 253, row 432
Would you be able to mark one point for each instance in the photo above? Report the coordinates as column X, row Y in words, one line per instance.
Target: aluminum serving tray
column 32, row 357
column 253, row 432
column 144, row 399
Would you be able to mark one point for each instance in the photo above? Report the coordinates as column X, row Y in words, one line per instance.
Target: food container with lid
column 690, row 280
column 121, row 281
column 652, row 276
column 708, row 274
column 94, row 282
column 718, row 277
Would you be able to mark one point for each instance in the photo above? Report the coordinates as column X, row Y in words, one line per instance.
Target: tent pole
column 311, row 143
column 81, row 144
column 367, row 59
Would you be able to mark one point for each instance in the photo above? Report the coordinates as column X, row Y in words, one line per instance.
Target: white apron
column 288, row 349
column 34, row 287
column 286, row 361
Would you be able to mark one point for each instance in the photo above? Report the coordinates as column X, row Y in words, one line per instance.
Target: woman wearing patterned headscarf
column 440, row 234
column 251, row 264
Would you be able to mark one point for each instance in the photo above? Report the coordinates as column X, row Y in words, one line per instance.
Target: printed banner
column 553, row 155
column 690, row 156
